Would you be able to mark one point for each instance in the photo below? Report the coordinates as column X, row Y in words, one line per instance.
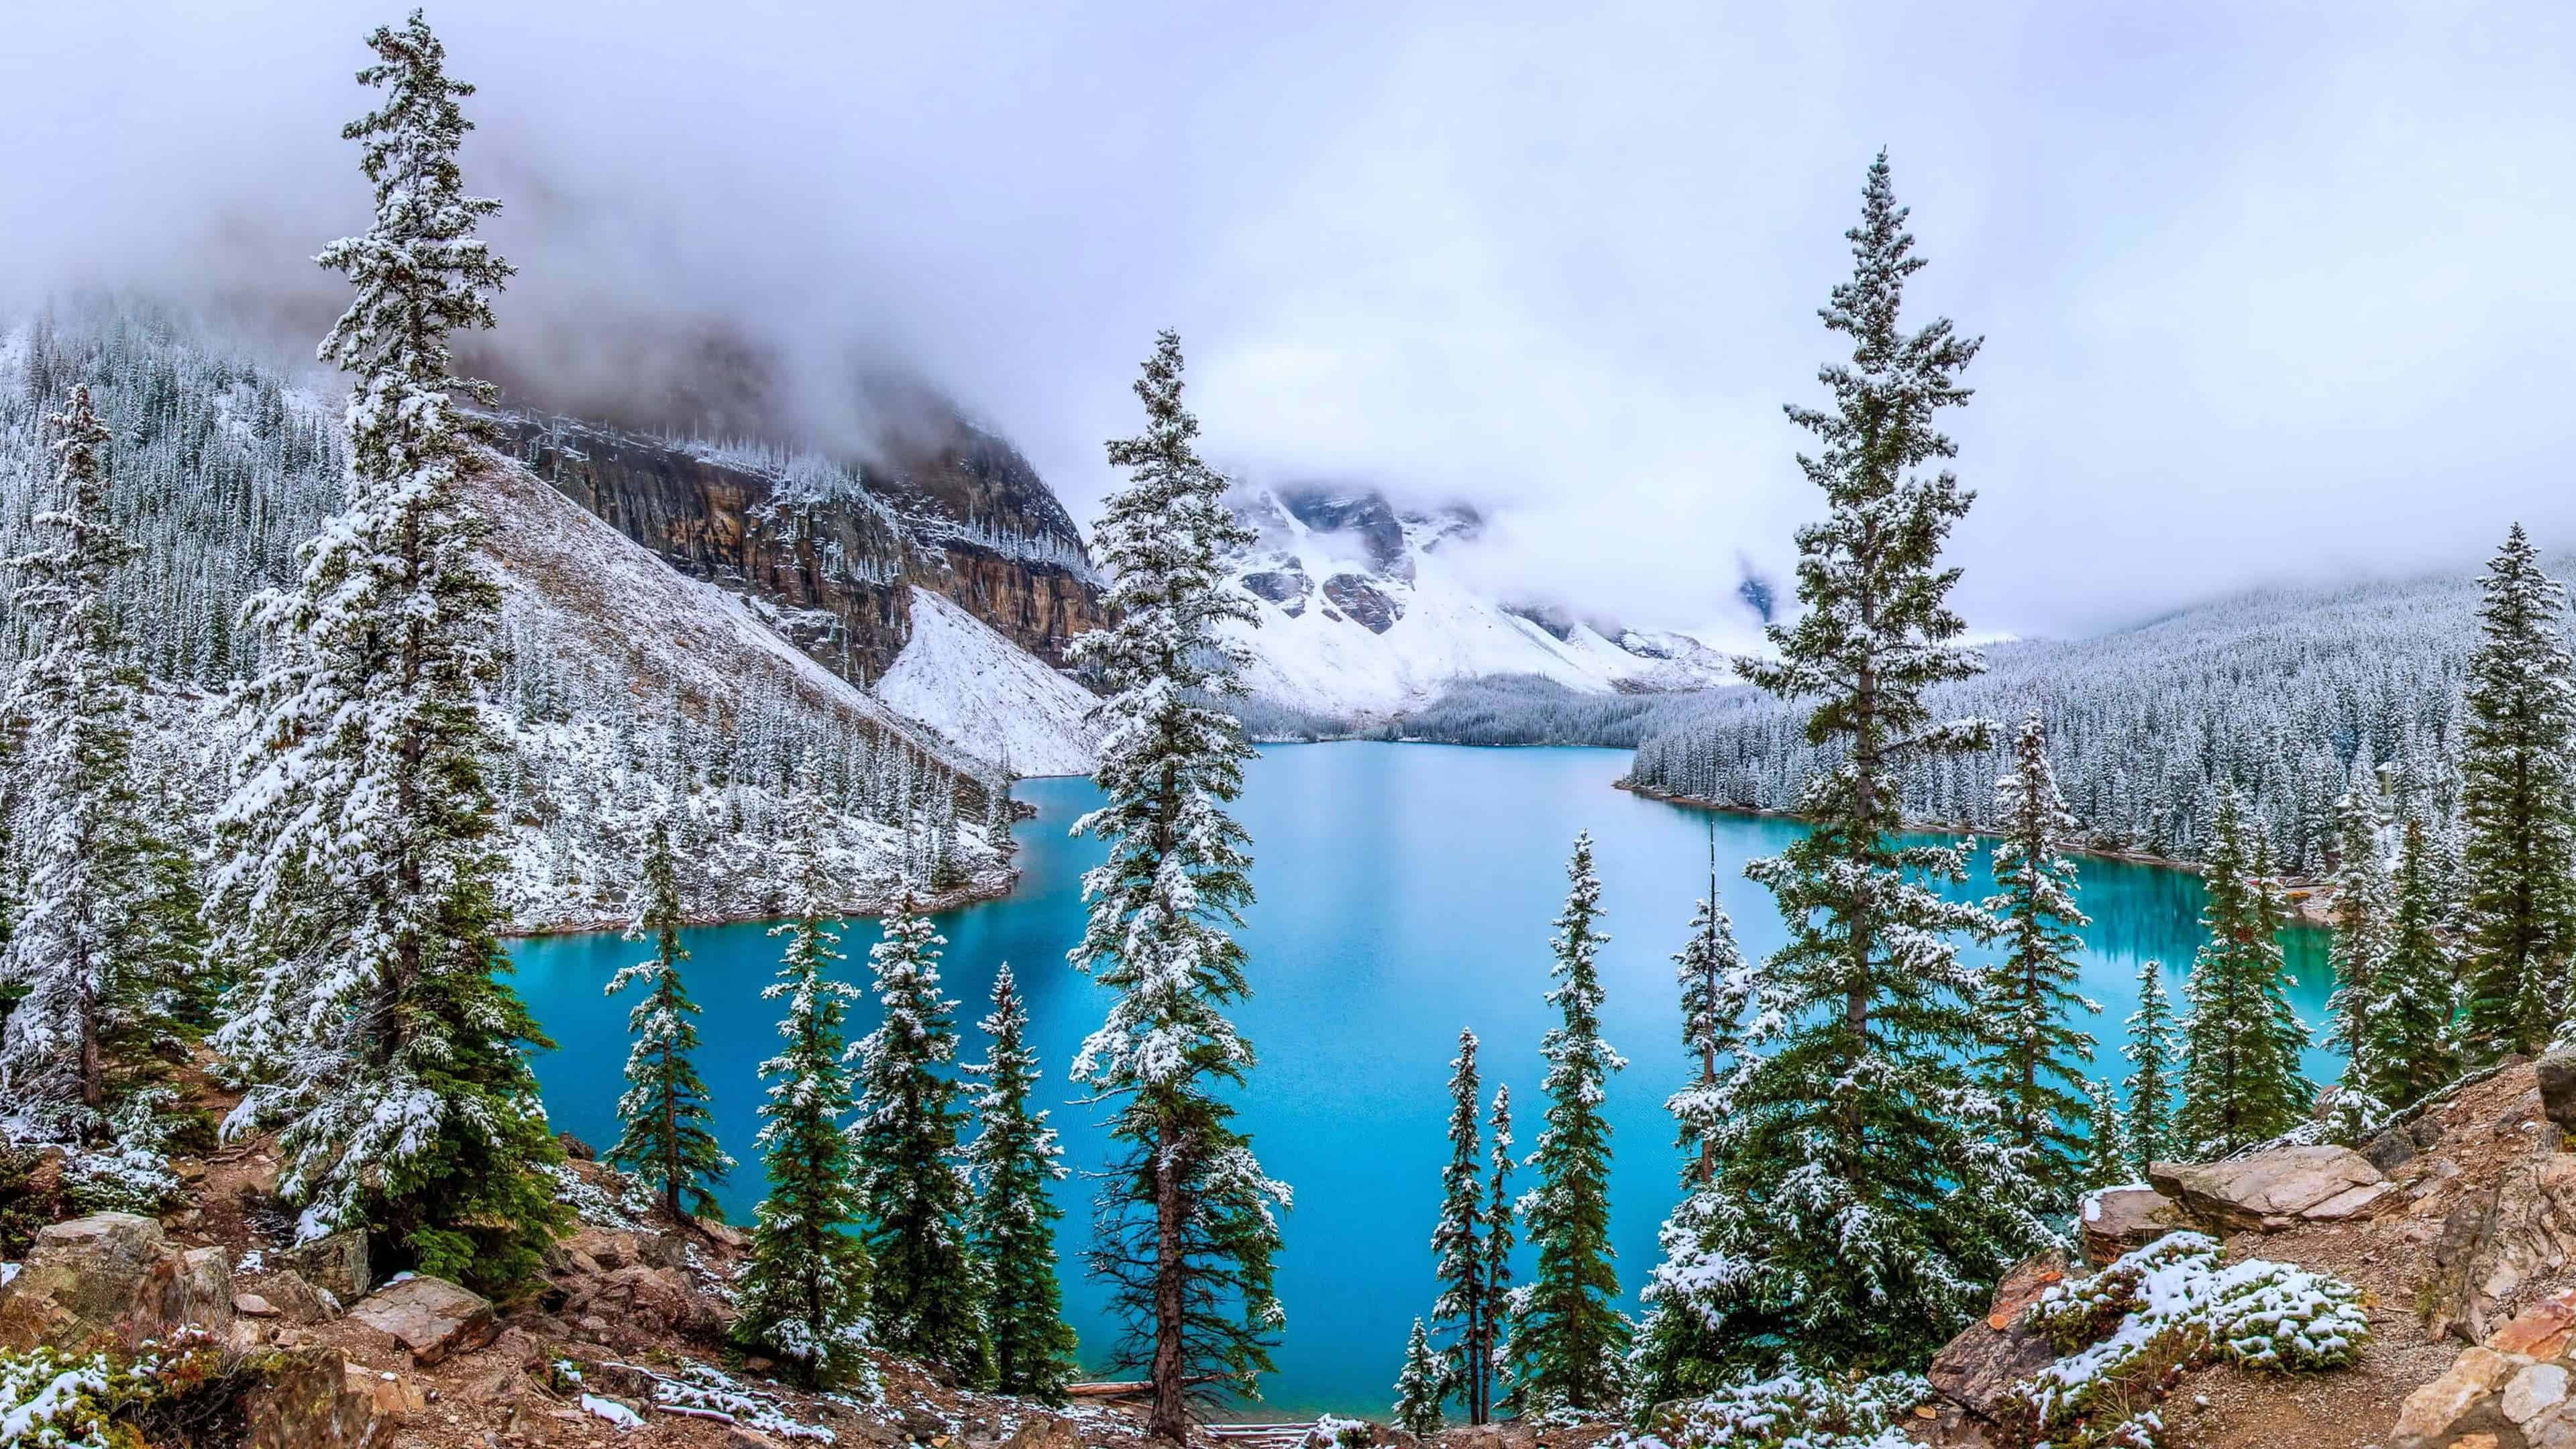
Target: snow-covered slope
column 1363, row 614
column 964, row 681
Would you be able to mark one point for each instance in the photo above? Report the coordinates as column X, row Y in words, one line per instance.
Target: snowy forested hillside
column 990, row 697
column 2283, row 693
column 629, row 688
column 1363, row 614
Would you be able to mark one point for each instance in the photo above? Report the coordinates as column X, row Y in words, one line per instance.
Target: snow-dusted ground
column 963, row 680
column 1325, row 659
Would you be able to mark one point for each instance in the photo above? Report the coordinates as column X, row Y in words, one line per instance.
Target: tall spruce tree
column 69, row 714
column 1185, row 1232
column 1716, row 986
column 2518, row 810
column 2106, row 1149
column 669, row 1135
column 803, row 1296
column 1465, row 1308
column 2034, row 1059
column 1868, row 1201
column 1569, row 1341
column 2363, row 926
column 2241, row 1042
column 375, row 1020
column 1012, row 1223
column 1421, row 1386
column 1502, row 1235
column 2153, row 1052
column 927, row 1299
column 2407, row 1044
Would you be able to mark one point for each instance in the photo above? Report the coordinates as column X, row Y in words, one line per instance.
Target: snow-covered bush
column 2129, row 1331
column 1789, row 1412
column 55, row 1400
column 130, row 1172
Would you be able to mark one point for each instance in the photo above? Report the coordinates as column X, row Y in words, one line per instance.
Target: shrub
column 1789, row 1412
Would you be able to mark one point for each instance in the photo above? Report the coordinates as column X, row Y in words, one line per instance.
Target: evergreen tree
column 669, row 1137
column 1420, row 1387
column 2518, row 810
column 1465, row 1307
column 2241, row 1042
column 2362, row 925
column 1569, row 1340
column 1865, row 1200
column 803, row 1295
column 1012, row 1224
column 2151, row 1052
column 1716, row 987
column 375, row 1020
column 927, row 1300
column 1502, row 1235
column 2106, row 1149
column 71, row 961
column 1185, row 1234
column 2034, row 1063
column 2407, row 1048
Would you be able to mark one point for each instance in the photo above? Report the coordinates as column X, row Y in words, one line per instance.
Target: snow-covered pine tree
column 1502, row 1235
column 2518, row 810
column 2034, row 1058
column 927, row 1299
column 1905, row 1208
column 2151, row 1052
column 2241, row 1042
column 357, row 864
column 1672, row 1357
column 1012, row 1223
column 1421, row 1387
column 2407, row 1046
column 803, row 1296
column 2363, row 936
column 669, row 1133
column 1185, row 1232
column 1464, row 1309
column 1569, row 1340
column 68, row 719
column 2106, row 1151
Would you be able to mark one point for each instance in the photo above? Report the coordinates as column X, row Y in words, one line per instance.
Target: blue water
column 1405, row 891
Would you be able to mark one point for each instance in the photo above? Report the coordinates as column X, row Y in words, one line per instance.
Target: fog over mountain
column 2268, row 291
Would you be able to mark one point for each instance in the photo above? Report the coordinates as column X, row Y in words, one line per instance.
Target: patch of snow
column 960, row 678
column 611, row 1410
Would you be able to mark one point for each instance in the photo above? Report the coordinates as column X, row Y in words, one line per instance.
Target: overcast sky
column 2269, row 290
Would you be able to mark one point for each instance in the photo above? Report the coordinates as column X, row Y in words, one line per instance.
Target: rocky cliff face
column 828, row 549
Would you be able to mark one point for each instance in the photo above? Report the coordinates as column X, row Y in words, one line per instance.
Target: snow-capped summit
column 1364, row 612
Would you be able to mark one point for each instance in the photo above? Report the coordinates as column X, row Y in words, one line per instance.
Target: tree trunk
column 1171, row 1419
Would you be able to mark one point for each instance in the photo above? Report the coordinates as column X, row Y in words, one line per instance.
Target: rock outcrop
column 2273, row 1189
column 430, row 1317
column 113, row 1276
column 2513, row 1388
column 2117, row 1219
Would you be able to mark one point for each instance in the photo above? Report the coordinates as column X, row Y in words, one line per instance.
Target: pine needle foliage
column 1569, row 1341
column 803, row 1296
column 2241, row 1042
column 1420, row 1387
column 2106, row 1149
column 1185, row 1232
column 375, row 1020
column 2408, row 1046
column 2518, row 810
column 1466, row 1309
column 1012, row 1222
column 927, row 1297
column 668, row 1137
column 1866, row 1199
column 2035, row 1059
column 2154, row 1056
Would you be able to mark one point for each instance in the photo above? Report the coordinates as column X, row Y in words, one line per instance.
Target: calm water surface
column 1405, row 891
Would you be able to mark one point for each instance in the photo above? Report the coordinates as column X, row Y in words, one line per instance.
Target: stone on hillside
column 336, row 1264
column 310, row 1399
column 2392, row 1149
column 724, row 1233
column 2464, row 1400
column 429, row 1316
column 1043, row 1431
column 2497, row 1240
column 2265, row 1189
column 2533, row 1392
column 739, row 1437
column 2557, row 1072
column 295, row 1300
column 113, row 1274
column 2541, row 1330
column 1979, row 1367
column 2117, row 1220
column 2367, row 1200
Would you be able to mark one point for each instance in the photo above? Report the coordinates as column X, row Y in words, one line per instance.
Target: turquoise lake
column 1405, row 891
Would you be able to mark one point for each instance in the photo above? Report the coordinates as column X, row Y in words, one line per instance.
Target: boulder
column 2557, row 1073
column 2497, row 1240
column 431, row 1317
column 2263, row 1189
column 1042, row 1431
column 2392, row 1149
column 1977, row 1369
column 724, row 1234
column 312, row 1399
column 297, row 1301
column 2466, row 1399
column 2117, row 1220
column 113, row 1275
column 638, row 1303
column 2541, row 1330
column 336, row 1264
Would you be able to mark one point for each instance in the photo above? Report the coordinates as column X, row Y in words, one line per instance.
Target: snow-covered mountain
column 960, row 678
column 1365, row 614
